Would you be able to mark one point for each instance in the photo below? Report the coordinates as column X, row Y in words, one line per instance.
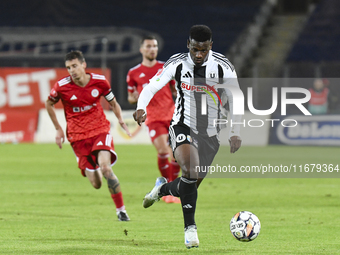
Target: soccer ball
column 245, row 226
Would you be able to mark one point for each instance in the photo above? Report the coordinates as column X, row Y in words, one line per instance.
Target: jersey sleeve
column 232, row 89
column 54, row 94
column 107, row 91
column 131, row 84
column 163, row 77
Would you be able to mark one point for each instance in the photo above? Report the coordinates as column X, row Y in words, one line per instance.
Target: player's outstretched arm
column 234, row 132
column 60, row 136
column 117, row 110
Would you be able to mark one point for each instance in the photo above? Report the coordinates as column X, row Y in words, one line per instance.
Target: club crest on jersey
column 94, row 93
column 212, row 75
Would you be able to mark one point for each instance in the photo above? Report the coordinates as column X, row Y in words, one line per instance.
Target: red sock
column 163, row 164
column 174, row 170
column 118, row 200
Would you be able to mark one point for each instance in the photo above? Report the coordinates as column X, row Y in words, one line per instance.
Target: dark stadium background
column 241, row 31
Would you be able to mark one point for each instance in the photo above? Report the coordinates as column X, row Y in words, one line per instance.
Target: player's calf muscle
column 113, row 185
column 112, row 182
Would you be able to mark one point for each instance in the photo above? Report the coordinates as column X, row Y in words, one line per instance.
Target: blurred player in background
column 194, row 140
column 88, row 130
column 160, row 109
column 318, row 103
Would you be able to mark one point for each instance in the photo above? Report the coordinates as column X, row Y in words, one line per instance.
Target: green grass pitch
column 47, row 207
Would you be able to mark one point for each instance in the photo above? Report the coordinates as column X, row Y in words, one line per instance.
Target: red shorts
column 87, row 150
column 158, row 128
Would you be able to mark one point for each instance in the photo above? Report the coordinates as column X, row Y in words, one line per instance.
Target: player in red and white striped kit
column 160, row 109
column 88, row 130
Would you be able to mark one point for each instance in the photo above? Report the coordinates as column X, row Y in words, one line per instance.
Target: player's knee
column 189, row 172
column 162, row 150
column 185, row 173
column 105, row 169
column 96, row 184
column 161, row 145
column 184, row 163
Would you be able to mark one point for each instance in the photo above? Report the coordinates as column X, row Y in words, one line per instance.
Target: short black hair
column 75, row 54
column 147, row 37
column 200, row 33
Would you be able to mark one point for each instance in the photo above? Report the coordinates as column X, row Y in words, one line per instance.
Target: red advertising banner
column 28, row 88
column 23, row 92
column 17, row 126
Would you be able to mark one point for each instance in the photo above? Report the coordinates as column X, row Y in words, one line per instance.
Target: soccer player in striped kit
column 88, row 130
column 193, row 137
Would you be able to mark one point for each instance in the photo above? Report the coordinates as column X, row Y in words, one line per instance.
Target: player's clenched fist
column 235, row 143
column 139, row 116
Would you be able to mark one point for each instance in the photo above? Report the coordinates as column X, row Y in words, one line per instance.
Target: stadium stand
column 319, row 40
column 316, row 53
column 170, row 21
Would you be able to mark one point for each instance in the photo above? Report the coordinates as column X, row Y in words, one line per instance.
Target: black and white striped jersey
column 201, row 94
